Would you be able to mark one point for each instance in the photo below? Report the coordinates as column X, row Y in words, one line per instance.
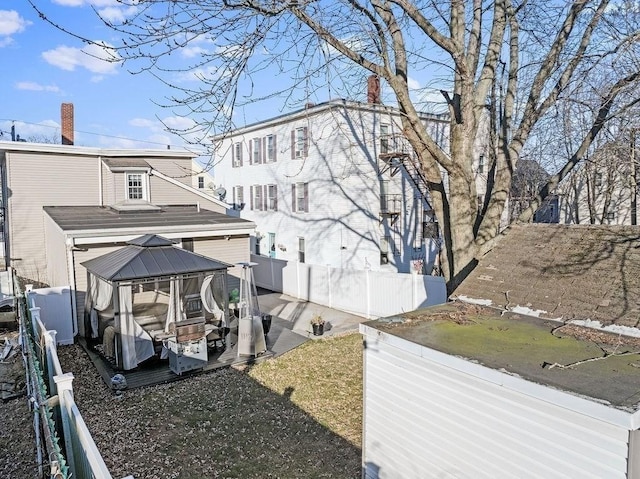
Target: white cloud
column 33, row 86
column 10, row 23
column 412, row 83
column 117, row 14
column 100, row 59
column 82, row 3
column 179, row 122
column 110, row 10
column 197, row 74
column 143, row 123
column 190, row 52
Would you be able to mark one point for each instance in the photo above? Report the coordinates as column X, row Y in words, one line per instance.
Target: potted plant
column 317, row 323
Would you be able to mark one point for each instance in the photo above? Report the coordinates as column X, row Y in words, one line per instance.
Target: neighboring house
column 334, row 184
column 67, row 204
column 531, row 371
column 202, row 180
column 602, row 189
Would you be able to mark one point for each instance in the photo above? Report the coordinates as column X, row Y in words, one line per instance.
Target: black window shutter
column 240, row 155
column 306, row 197
column 306, row 141
column 275, row 149
column 233, row 154
column 293, row 144
column 251, row 197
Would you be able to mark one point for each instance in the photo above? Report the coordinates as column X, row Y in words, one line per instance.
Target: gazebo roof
column 150, row 256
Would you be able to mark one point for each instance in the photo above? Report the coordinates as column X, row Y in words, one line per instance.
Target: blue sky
column 43, row 67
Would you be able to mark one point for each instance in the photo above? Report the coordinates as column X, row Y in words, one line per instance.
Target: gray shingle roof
column 567, row 272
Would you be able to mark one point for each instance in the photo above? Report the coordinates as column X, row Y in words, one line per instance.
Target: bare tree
column 514, row 60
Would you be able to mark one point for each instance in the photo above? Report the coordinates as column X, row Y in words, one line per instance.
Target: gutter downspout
column 71, row 276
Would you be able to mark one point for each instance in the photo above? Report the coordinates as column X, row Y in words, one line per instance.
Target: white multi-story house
column 334, row 184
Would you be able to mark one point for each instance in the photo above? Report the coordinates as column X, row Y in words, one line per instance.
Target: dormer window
column 136, row 187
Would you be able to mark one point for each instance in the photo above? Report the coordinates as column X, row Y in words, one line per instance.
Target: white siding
column 166, row 193
column 232, row 251
column 56, row 251
column 342, row 227
column 424, row 419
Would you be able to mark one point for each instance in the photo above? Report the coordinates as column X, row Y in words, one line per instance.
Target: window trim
column 236, row 154
column 270, row 153
column 271, row 202
column 144, row 185
column 296, row 188
column 296, row 153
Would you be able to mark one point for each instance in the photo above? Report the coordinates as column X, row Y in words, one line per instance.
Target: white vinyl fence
column 61, row 434
column 370, row 294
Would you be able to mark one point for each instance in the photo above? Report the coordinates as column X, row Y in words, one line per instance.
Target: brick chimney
column 66, row 115
column 373, row 89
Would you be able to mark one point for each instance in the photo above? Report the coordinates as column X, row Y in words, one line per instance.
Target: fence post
column 49, row 344
column 63, row 384
column 35, row 317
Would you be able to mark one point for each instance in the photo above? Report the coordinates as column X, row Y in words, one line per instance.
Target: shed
column 532, row 370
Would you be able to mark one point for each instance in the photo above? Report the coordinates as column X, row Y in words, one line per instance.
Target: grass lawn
column 296, row 416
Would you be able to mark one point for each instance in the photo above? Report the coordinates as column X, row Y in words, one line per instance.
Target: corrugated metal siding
column 230, row 251
column 426, row 420
column 56, row 251
column 36, row 180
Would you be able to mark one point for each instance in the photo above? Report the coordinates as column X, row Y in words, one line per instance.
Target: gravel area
column 233, row 423
column 297, row 416
column 17, row 443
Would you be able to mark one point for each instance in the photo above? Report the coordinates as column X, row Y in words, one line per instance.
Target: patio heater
column 251, row 340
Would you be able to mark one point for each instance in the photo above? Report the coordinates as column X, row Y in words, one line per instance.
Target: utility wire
column 2, row 132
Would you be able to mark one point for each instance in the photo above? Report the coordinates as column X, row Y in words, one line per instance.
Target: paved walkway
column 299, row 313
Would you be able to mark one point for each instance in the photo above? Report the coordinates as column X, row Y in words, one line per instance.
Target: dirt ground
column 17, row 443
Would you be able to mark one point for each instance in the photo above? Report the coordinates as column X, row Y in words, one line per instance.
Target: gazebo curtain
column 136, row 344
column 212, row 296
column 99, row 298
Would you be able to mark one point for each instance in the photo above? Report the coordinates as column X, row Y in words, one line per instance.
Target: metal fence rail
column 56, row 415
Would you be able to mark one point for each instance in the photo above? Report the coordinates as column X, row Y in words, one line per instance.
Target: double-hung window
column 136, row 186
column 270, row 141
column 200, row 182
column 238, row 197
column 256, row 151
column 272, row 197
column 257, row 202
column 300, row 197
column 236, row 154
column 384, row 138
column 299, row 143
